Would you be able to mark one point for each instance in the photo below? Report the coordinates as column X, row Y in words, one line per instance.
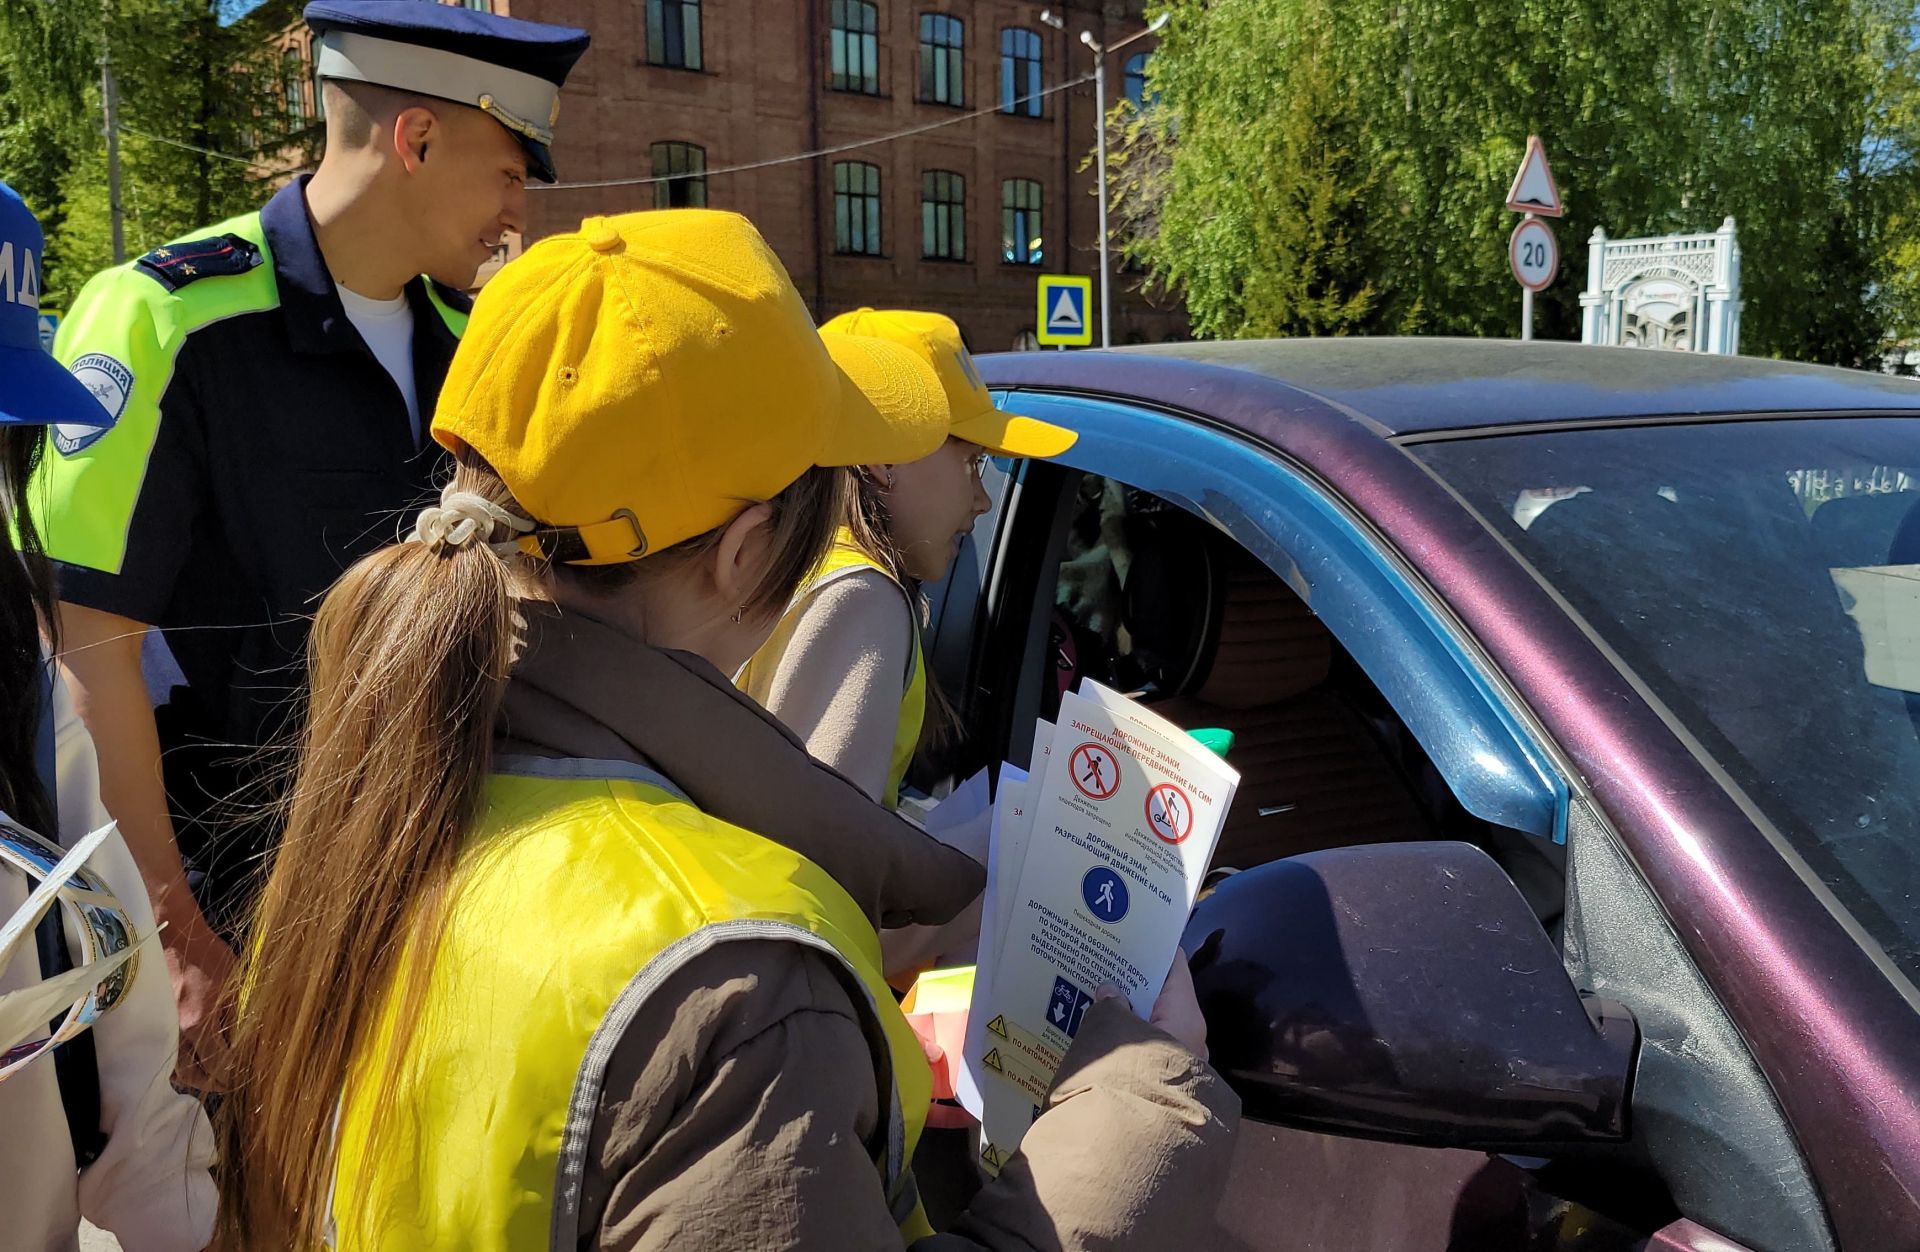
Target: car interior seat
column 1221, row 641
column 1854, row 531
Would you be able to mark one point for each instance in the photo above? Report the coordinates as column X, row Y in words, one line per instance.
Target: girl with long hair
column 844, row 669
column 92, row 1124
column 570, row 945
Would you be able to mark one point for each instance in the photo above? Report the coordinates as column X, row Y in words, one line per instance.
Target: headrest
column 1171, row 602
column 1270, row 645
column 1207, row 619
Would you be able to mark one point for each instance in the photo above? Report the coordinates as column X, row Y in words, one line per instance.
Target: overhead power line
column 643, row 180
column 191, row 147
column 817, row 153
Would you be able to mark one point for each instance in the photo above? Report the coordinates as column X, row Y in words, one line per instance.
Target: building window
column 479, row 6
column 942, row 59
column 856, row 208
column 1020, row 222
column 943, row 216
column 1136, row 80
column 1020, row 72
column 673, row 34
column 856, row 46
column 684, row 166
column 293, row 84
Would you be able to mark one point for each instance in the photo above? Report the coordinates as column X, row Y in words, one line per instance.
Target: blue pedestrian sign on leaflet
column 1065, row 303
column 1105, row 894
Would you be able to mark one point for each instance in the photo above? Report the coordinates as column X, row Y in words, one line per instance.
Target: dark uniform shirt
column 259, row 449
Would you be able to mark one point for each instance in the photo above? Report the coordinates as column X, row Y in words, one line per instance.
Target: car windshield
column 1762, row 579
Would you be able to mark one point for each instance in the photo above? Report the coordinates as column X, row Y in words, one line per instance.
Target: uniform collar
column 310, row 305
column 586, row 689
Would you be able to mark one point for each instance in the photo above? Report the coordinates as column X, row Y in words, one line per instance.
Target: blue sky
column 234, row 10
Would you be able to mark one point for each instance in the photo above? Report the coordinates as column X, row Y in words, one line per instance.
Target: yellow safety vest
column 577, row 894
column 844, row 558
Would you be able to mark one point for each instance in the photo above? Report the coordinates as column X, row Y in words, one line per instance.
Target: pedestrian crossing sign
column 1065, row 305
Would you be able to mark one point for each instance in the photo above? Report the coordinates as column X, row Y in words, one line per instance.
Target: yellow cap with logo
column 643, row 379
column 936, row 340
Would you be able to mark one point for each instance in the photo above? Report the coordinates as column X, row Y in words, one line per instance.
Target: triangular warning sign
column 992, row 1061
column 1534, row 190
column 998, row 1026
column 1066, row 313
column 990, row 1154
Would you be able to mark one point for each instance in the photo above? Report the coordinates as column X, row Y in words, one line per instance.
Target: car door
column 1181, row 560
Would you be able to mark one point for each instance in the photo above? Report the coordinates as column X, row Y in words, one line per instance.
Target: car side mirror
column 1407, row 992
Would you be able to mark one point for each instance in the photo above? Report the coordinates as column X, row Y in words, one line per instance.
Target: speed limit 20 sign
column 1534, row 254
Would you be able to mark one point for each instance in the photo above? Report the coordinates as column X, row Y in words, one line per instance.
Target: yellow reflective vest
column 577, row 895
column 844, row 558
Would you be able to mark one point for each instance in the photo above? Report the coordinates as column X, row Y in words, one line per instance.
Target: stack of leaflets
column 1095, row 854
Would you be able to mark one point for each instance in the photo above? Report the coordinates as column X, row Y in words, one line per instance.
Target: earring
column 739, row 613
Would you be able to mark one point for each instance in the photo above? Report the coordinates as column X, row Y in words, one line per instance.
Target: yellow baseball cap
column 643, row 379
column 936, row 340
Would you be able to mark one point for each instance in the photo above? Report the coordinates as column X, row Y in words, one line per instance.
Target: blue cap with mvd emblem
column 34, row 389
column 509, row 69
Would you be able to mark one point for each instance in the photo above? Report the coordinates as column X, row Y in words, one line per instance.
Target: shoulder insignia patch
column 177, row 264
column 111, row 383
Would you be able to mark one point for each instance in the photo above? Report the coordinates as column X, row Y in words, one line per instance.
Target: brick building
column 960, row 217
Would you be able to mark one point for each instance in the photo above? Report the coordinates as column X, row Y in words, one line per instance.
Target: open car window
column 1152, row 600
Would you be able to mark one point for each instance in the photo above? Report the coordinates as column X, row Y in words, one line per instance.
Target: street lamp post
column 1100, row 52
column 109, row 104
column 1100, row 130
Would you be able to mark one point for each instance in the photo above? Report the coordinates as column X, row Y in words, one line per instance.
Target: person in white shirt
column 387, row 327
column 150, row 1148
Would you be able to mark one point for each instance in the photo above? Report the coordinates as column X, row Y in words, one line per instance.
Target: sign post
column 1063, row 320
column 1533, row 253
column 1534, row 256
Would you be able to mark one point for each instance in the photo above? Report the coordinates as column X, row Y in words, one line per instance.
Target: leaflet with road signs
column 1104, row 848
column 1015, row 830
column 1006, row 814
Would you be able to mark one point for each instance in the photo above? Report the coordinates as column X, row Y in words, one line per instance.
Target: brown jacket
column 745, row 1120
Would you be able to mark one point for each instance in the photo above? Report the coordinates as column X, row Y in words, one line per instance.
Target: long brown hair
column 26, row 611
column 864, row 516
column 407, row 667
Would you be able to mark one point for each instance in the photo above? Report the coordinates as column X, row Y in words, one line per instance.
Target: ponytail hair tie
column 463, row 517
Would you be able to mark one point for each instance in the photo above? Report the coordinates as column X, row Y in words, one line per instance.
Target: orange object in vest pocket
column 942, row 1028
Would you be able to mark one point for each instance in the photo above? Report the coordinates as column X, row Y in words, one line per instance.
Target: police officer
column 268, row 378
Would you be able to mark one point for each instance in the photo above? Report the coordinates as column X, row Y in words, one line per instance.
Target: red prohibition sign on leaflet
column 1169, row 813
column 1095, row 771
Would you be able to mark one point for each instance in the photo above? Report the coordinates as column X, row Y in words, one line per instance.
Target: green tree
column 1310, row 228
column 196, row 96
column 1893, row 160
column 46, row 70
column 1297, row 198
column 1658, row 117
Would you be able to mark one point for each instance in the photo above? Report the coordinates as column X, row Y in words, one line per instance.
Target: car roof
column 1414, row 386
